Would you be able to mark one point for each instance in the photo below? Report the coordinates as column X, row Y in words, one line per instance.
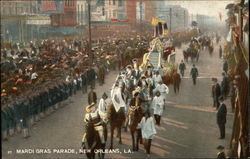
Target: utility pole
column 90, row 40
column 140, row 16
column 170, row 21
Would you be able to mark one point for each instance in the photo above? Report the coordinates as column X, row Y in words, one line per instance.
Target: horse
column 134, row 117
column 94, row 142
column 116, row 120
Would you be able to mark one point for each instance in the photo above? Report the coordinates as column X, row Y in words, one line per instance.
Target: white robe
column 102, row 109
column 147, row 128
column 163, row 89
column 117, row 99
column 157, row 105
column 157, row 79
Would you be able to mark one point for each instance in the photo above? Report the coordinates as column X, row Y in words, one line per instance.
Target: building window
column 103, row 11
column 113, row 2
column 114, row 14
column 119, row 3
column 109, row 2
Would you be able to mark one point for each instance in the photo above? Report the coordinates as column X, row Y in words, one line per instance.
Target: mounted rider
column 92, row 116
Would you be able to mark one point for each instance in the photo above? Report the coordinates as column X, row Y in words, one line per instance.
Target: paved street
column 188, row 127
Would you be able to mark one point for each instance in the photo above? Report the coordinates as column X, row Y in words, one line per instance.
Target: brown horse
column 94, row 142
column 116, row 120
column 134, row 117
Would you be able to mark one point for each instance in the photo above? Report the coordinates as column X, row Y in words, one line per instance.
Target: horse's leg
column 111, row 136
column 117, row 135
column 138, row 137
column 133, row 140
column 120, row 134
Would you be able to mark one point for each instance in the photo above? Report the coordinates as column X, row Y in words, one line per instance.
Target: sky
column 206, row 7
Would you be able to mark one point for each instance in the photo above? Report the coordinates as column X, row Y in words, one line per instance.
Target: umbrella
column 229, row 6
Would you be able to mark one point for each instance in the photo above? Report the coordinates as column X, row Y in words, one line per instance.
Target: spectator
column 194, row 74
column 216, row 92
column 221, row 117
column 182, row 68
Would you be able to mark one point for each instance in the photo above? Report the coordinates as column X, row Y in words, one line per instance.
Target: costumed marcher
column 216, row 92
column 92, row 97
column 148, row 131
column 221, row 117
column 102, row 106
column 194, row 73
column 163, row 89
column 157, row 106
column 157, row 78
column 92, row 116
column 149, row 71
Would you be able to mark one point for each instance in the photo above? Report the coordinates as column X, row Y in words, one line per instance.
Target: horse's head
column 135, row 116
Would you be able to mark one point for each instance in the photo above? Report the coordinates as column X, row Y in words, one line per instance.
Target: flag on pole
column 165, row 26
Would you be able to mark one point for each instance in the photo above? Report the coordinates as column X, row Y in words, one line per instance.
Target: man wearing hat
column 216, row 93
column 224, row 85
column 221, row 153
column 92, row 116
column 194, row 73
column 157, row 106
column 221, row 117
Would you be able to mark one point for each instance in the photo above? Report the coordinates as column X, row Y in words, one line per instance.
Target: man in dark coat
column 91, row 75
column 224, row 85
column 92, row 97
column 220, row 52
column 194, row 73
column 225, row 66
column 182, row 68
column 176, row 81
column 216, row 92
column 84, row 82
column 221, row 118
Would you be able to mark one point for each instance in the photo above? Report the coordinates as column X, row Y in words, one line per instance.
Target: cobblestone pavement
column 188, row 127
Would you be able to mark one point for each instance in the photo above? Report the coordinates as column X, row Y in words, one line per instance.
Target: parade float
column 161, row 55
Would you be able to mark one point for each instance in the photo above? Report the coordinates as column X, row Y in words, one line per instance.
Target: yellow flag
column 155, row 21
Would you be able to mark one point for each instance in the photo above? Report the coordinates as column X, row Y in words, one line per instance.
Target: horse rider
column 92, row 116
